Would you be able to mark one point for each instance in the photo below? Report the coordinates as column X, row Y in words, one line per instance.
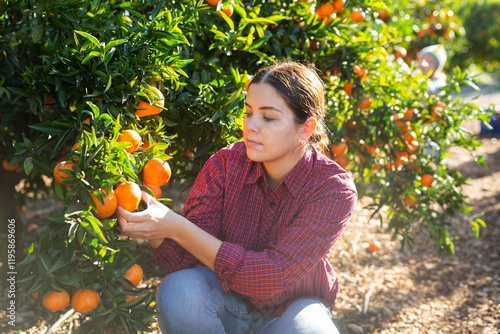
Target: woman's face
column 270, row 132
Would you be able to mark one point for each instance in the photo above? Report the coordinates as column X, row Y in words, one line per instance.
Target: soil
column 390, row 291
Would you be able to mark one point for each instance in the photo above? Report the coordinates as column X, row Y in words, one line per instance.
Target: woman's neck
column 277, row 171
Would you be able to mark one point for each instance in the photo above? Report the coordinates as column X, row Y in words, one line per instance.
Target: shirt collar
column 295, row 180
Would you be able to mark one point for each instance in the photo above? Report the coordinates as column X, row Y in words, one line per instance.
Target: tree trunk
column 10, row 221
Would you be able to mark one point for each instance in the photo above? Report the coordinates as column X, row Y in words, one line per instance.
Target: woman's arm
column 158, row 222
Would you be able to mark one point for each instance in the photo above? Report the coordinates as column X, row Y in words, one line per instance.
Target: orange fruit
column 85, row 300
column 31, row 228
column 213, row 2
column 227, row 10
column 147, row 109
column 74, row 147
column 134, row 274
column 342, row 160
column 132, row 137
column 409, row 113
column 360, row 72
column 357, row 16
column 339, row 148
column 35, row 295
column 128, row 196
column 348, row 88
column 247, row 81
column 374, row 246
column 338, row 5
column 156, row 190
column 49, row 102
column 129, row 298
column 56, row 301
column 325, row 10
column 439, row 106
column 427, row 180
column 400, row 53
column 409, row 201
column 109, row 207
column 5, row 165
column 365, row 104
column 60, row 172
column 86, row 121
column 156, row 172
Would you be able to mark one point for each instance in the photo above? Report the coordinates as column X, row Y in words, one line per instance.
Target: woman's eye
column 268, row 119
column 248, row 114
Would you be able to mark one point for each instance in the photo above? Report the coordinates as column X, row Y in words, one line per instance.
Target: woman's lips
column 253, row 143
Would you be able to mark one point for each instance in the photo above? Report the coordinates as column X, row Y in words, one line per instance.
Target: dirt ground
column 414, row 291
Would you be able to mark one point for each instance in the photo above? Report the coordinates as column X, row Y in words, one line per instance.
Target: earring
column 302, row 141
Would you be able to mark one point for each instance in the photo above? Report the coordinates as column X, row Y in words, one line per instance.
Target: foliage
column 482, row 39
column 85, row 65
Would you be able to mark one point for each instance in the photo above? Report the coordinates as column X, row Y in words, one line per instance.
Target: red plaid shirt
column 275, row 243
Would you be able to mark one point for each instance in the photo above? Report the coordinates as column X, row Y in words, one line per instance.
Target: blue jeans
column 193, row 301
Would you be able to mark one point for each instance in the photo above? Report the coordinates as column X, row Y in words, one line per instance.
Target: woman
column 250, row 252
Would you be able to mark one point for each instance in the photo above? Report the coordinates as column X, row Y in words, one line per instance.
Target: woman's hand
column 155, row 223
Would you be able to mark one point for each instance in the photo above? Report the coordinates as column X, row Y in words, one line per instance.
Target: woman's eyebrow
column 265, row 107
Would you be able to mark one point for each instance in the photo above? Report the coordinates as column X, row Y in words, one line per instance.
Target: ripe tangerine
column 109, row 207
column 132, row 137
column 5, row 165
column 427, row 180
column 156, row 172
column 374, row 246
column 357, row 16
column 147, row 109
column 56, row 301
column 128, row 196
column 134, row 274
column 85, row 300
column 61, row 171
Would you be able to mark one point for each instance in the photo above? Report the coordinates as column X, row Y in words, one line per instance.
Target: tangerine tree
column 114, row 89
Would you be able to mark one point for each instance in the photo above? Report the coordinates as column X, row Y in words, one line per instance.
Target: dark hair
column 302, row 89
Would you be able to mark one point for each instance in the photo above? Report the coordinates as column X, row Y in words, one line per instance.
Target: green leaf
column 90, row 56
column 89, row 37
column 28, row 165
column 113, row 44
column 50, row 129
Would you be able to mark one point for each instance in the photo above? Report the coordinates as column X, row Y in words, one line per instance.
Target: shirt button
column 272, row 204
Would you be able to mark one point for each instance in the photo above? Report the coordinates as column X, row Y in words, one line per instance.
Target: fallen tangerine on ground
column 374, row 246
column 5, row 165
column 427, row 180
column 56, row 301
column 85, row 300
column 128, row 196
column 31, row 228
column 134, row 274
column 156, row 172
column 109, row 207
column 130, row 136
column 147, row 109
column 61, row 171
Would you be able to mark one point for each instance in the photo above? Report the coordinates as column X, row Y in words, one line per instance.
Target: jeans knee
column 185, row 294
